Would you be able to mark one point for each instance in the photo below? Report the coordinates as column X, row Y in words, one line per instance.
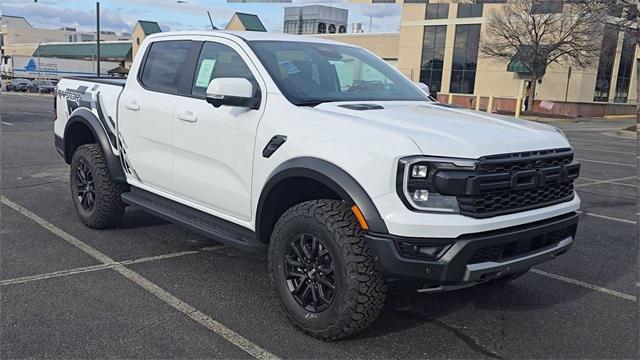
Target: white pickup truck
column 326, row 156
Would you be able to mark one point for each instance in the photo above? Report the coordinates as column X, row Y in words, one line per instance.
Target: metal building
column 315, row 19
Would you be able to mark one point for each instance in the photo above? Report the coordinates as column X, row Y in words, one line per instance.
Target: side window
column 163, row 65
column 218, row 61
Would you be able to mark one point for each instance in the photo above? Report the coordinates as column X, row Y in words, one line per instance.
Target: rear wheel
column 322, row 270
column 95, row 196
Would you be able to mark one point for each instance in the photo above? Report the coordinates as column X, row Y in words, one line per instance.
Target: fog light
column 428, row 250
column 422, row 251
column 421, row 195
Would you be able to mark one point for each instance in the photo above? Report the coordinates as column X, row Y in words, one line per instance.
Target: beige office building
column 438, row 44
column 19, row 38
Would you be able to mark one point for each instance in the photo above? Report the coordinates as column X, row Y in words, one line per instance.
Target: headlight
column 415, row 183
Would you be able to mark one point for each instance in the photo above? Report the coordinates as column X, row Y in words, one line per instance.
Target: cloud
column 43, row 16
column 121, row 15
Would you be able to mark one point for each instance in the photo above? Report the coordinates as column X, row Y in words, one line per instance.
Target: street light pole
column 98, row 38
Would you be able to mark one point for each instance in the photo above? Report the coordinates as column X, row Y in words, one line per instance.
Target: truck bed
column 102, row 80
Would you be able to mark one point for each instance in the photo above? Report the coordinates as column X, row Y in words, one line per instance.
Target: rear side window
column 218, row 61
column 163, row 65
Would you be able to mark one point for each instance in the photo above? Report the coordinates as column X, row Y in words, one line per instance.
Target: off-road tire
column 108, row 208
column 360, row 289
column 508, row 278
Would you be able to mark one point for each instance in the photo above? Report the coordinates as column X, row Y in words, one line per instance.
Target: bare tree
column 538, row 33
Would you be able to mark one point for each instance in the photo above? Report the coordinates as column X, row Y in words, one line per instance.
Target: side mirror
column 232, row 92
column 424, row 87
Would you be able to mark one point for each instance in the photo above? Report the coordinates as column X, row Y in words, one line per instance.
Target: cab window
column 163, row 65
column 218, row 61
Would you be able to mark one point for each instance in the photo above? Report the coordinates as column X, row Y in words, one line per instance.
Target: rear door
column 147, row 108
column 214, row 147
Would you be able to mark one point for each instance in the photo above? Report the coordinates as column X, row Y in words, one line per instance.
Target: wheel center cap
column 311, row 272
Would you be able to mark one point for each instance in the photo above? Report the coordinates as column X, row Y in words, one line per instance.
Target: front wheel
column 95, row 195
column 322, row 270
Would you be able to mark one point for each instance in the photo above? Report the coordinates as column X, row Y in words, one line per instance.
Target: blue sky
column 119, row 15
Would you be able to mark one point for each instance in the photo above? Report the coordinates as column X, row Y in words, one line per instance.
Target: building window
column 437, row 11
column 470, row 10
column 547, row 7
column 624, row 70
column 416, row 1
column 465, row 59
column 605, row 65
column 384, row 1
column 433, row 57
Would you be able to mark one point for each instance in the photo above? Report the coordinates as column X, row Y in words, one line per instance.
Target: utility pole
column 98, row 38
column 566, row 93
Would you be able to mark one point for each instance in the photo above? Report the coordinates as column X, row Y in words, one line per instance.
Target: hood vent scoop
column 361, row 107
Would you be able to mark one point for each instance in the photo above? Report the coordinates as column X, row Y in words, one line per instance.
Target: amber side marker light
column 360, row 217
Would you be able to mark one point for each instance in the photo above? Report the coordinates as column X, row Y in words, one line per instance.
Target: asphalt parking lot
column 153, row 290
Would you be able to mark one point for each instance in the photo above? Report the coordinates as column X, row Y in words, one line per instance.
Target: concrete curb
column 546, row 120
column 620, row 117
column 627, row 134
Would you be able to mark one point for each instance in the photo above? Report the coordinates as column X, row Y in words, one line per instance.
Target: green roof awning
column 149, row 27
column 115, row 51
column 251, row 22
column 517, row 65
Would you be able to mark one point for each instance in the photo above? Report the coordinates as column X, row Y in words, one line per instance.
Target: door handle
column 187, row 116
column 133, row 105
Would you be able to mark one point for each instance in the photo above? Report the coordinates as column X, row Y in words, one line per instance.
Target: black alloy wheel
column 310, row 273
column 85, row 187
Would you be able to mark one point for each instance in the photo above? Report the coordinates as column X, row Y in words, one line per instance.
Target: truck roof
column 247, row 36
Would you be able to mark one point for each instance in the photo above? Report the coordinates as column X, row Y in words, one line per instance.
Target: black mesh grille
column 493, row 253
column 509, row 200
column 506, row 201
column 514, row 248
column 525, row 161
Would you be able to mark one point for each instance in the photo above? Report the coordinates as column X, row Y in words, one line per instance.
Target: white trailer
column 33, row 67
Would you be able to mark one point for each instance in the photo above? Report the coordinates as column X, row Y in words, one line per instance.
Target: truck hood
column 439, row 130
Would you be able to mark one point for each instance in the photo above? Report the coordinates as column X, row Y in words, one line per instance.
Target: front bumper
column 476, row 258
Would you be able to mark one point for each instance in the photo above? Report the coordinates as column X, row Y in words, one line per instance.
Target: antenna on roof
column 211, row 21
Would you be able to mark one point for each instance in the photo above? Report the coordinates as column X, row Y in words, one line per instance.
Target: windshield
column 313, row 73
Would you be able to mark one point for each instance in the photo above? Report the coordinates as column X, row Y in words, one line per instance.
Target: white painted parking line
column 55, row 274
column 586, row 285
column 85, row 269
column 606, row 162
column 612, row 181
column 6, row 123
column 216, row 327
column 626, row 221
column 605, row 151
column 618, row 142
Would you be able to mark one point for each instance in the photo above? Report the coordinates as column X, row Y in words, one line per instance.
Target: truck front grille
column 504, row 202
column 509, row 183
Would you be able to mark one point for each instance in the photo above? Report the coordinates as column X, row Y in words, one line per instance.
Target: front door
column 214, row 147
column 146, row 112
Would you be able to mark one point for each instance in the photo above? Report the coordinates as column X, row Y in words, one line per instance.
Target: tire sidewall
column 280, row 241
column 81, row 155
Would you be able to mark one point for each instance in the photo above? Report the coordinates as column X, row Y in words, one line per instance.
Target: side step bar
column 202, row 223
